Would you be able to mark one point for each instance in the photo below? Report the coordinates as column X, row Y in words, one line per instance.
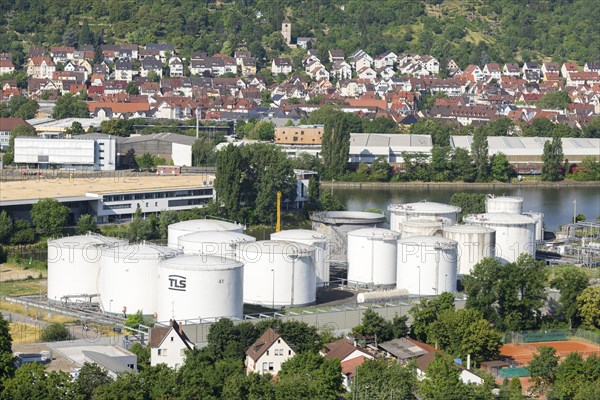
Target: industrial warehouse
column 210, row 269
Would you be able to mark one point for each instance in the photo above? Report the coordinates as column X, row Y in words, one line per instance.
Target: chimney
column 180, row 329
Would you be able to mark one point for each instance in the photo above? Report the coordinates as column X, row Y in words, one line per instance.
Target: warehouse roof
column 516, row 145
column 51, row 187
column 165, row 136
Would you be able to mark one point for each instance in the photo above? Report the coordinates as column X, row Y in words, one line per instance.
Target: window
column 172, row 338
column 271, row 367
column 278, row 341
column 156, row 204
column 267, row 352
column 265, row 366
column 182, row 352
column 159, row 352
column 164, row 352
column 289, row 352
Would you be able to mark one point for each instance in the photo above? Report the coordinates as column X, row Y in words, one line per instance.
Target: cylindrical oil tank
column 503, row 204
column 336, row 225
column 475, row 242
column 278, row 273
column 128, row 277
column 74, row 266
column 372, row 256
column 381, row 296
column 216, row 243
column 399, row 213
column 539, row 224
column 199, row 225
column 420, row 227
column 199, row 286
column 427, row 265
column 311, row 238
column 515, row 233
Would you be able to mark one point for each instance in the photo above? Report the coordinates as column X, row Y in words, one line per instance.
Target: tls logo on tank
column 177, row 282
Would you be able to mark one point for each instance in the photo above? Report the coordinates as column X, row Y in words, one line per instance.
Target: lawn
column 23, row 287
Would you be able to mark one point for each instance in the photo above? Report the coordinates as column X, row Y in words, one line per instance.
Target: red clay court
column 523, row 353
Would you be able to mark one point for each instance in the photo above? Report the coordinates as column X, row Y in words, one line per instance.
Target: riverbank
column 449, row 185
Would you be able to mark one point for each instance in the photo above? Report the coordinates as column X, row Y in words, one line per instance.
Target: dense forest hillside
column 468, row 31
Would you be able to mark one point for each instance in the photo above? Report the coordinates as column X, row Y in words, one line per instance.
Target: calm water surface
column 555, row 203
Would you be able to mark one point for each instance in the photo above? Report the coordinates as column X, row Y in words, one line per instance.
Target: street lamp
column 110, row 306
column 419, row 268
column 446, row 283
column 273, row 290
column 575, row 211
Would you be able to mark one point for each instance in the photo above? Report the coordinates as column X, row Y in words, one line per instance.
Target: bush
column 55, row 332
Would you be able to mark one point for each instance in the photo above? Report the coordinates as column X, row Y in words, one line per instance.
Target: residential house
column 166, row 50
column 567, row 68
column 248, row 66
column 124, row 70
column 341, row 70
column 350, row 357
column 267, row 353
column 474, row 73
column 61, row 54
column 492, row 71
column 452, row 65
column 386, row 72
column 239, row 56
column 299, row 135
column 531, row 72
column 430, row 64
column 6, row 66
column 198, row 55
column 549, row 68
column 387, row 59
column 305, row 42
column 591, row 67
column 511, row 70
column 336, row 55
column 281, row 65
column 168, row 345
column 148, row 65
column 175, row 67
column 145, row 53
column 200, row 67
column 6, row 126
column 359, row 60
column 366, row 73
column 40, row 68
column 583, row 78
column 35, row 51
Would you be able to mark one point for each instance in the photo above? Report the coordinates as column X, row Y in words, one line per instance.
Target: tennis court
column 523, row 353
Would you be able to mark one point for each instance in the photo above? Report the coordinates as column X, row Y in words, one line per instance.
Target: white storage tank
column 336, row 225
column 199, row 286
column 372, row 254
column 311, row 238
column 217, row 243
column 475, row 242
column 128, row 277
column 399, row 213
column 199, row 225
column 278, row 272
column 427, row 265
column 503, row 204
column 74, row 266
column 420, row 227
column 515, row 233
column 539, row 224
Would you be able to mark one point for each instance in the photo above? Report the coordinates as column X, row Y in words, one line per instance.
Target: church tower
column 286, row 31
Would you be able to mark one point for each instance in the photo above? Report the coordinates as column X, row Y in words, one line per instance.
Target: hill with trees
column 473, row 31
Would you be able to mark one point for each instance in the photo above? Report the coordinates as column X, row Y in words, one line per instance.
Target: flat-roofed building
column 366, row 147
column 299, row 135
column 527, row 151
column 170, row 146
column 111, row 198
column 79, row 153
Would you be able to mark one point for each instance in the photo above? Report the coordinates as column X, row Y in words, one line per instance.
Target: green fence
column 545, row 336
column 513, row 372
column 552, row 335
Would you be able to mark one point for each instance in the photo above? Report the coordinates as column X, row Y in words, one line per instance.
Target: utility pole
column 575, row 211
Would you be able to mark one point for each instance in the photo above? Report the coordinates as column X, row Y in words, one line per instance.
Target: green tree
column 569, row 376
column 90, row 377
column 442, row 381
column 127, row 386
column 336, row 142
column 132, row 89
column 204, row 152
column 70, row 106
column 320, row 376
column 31, row 381
column 384, row 379
column 153, row 76
column 117, row 127
column 55, row 332
column 23, row 232
column 145, row 161
column 128, row 160
column 441, row 164
column 6, row 227
column 143, row 355
column 7, row 364
column 381, row 171
column 440, row 133
column 75, row 129
column 501, row 170
column 515, row 390
column 479, row 286
column 380, row 125
column 374, row 326
column 330, row 202
column 141, row 229
column 165, row 219
column 589, row 307
column 571, row 282
column 314, row 195
column 552, row 159
column 228, row 180
column 555, row 100
column 479, row 152
column 49, row 217
column 469, row 203
column 426, row 312
column 85, row 36
column 462, row 166
column 136, row 319
column 86, row 223
column 542, row 368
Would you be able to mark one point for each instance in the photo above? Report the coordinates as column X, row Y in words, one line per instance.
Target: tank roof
column 344, row 217
column 421, row 222
column 423, row 207
column 201, row 262
column 507, row 199
column 500, row 218
column 215, row 237
column 140, row 251
column 379, row 233
column 275, row 247
column 196, row 225
column 428, row 241
column 469, row 228
column 91, row 239
column 299, row 234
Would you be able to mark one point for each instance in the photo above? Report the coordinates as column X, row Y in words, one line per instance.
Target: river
column 555, row 202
